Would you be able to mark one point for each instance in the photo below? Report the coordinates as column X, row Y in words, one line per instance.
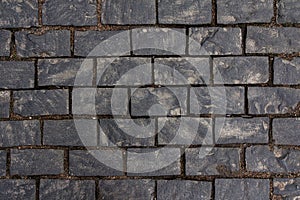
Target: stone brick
column 267, row 100
column 241, row 70
column 2, row 164
column 183, row 189
column 36, row 162
column 286, row 131
column 76, row 13
column 17, row 189
column 27, row 13
column 241, row 189
column 286, row 188
column 20, row 133
column 215, row 41
column 4, row 104
column 67, row 189
column 52, row 43
column 16, row 74
column 184, row 12
column 279, row 160
column 287, row 72
column 272, row 40
column 128, row 12
column 5, row 39
column 212, row 161
column 288, row 11
column 244, row 11
column 41, row 102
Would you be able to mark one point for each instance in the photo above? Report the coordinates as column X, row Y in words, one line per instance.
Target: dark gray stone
column 286, row 131
column 2, row 164
column 56, row 189
column 183, row 189
column 241, row 189
column 75, row 12
column 16, row 74
column 17, row 189
column 241, row 70
column 5, row 39
column 36, row 162
column 128, row 12
column 4, row 104
column 288, row 189
column 288, row 11
column 287, row 72
column 41, row 102
column 49, row 44
column 272, row 40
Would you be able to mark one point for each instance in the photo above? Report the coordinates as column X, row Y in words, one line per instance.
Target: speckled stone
column 4, row 104
column 5, row 39
column 288, row 11
column 17, row 189
column 285, row 188
column 287, row 72
column 2, row 164
column 286, row 131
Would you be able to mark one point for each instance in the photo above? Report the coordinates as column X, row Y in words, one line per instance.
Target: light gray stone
column 17, row 189
column 287, row 72
column 287, row 189
column 286, row 131
column 288, row 11
column 4, row 104
column 5, row 39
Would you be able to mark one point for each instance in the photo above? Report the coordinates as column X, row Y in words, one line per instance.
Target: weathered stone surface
column 5, row 39
column 244, row 11
column 41, row 102
column 272, row 40
column 287, row 72
column 279, row 160
column 36, row 161
column 288, row 11
column 241, row 189
column 76, row 13
column 184, row 11
column 183, row 189
column 286, row 131
column 126, row 189
column 16, row 74
column 17, row 189
column 241, row 70
column 4, row 104
column 286, row 188
column 215, row 41
column 208, row 161
column 49, row 44
column 19, row 133
column 267, row 100
column 2, row 164
column 22, row 13
column 128, row 12
column 67, row 189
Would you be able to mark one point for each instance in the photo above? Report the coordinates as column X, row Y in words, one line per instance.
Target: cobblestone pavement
column 250, row 137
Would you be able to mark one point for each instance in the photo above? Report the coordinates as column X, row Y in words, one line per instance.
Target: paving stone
column 2, row 164
column 19, row 13
column 184, row 12
column 286, row 131
column 286, row 188
column 5, row 39
column 76, row 13
column 128, row 12
column 241, row 70
column 16, row 74
column 41, row 102
column 36, row 162
column 245, row 11
column 241, row 189
column 4, row 104
column 20, row 133
column 17, row 189
column 183, row 189
column 208, row 161
column 288, row 11
column 67, row 189
column 279, row 160
column 287, row 72
column 49, row 44
column 215, row 41
column 242, row 130
column 267, row 100
column 272, row 40
column 127, row 189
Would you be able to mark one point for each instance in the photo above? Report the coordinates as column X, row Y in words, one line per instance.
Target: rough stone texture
column 128, row 12
column 279, row 160
column 75, row 12
column 36, row 162
column 126, row 189
column 287, row 72
column 17, row 189
column 286, row 131
column 2, row 164
column 241, row 70
column 20, row 133
column 212, row 161
column 4, row 104
column 49, row 44
column 5, row 39
column 244, row 11
column 241, row 189
column 267, row 100
column 67, row 189
column 16, row 74
column 215, row 41
column 286, row 188
column 22, row 13
column 272, row 40
column 183, row 189
column 184, row 11
column 41, row 102
column 288, row 11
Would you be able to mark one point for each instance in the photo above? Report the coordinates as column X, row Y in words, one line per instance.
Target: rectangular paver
column 287, row 71
column 4, row 104
column 286, row 131
column 5, row 39
column 17, row 189
column 288, row 11
column 285, row 188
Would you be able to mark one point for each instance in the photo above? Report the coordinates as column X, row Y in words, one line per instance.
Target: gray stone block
column 288, row 11
column 285, row 188
column 5, row 39
column 287, row 72
column 3, row 156
column 17, row 189
column 286, row 131
column 4, row 104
